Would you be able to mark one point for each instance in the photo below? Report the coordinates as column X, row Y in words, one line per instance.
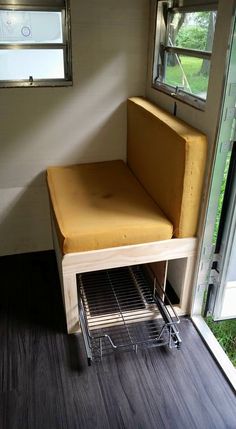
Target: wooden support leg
column 68, row 288
column 71, row 302
column 186, row 291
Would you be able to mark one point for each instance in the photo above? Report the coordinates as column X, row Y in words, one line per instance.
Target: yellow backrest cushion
column 168, row 157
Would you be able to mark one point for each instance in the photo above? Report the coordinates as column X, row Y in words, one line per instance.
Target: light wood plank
column 186, row 290
column 129, row 255
column 68, row 288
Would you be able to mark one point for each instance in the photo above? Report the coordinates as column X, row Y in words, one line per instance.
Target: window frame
column 164, row 10
column 64, row 9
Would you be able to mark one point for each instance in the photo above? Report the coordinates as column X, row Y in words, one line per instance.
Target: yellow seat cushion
column 102, row 205
column 168, row 157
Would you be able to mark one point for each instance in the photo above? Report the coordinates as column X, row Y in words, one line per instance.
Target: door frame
column 225, row 137
column 226, row 246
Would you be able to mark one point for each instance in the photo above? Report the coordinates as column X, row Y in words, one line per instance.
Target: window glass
column 184, row 42
column 188, row 74
column 35, row 44
column 193, row 30
column 40, row 64
column 30, row 27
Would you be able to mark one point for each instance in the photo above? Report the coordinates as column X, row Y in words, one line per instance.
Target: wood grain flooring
column 45, row 382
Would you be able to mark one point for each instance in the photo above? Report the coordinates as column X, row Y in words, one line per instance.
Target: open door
column 222, row 301
column 215, row 286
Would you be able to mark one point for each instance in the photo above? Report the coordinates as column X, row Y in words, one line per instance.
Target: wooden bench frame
column 143, row 115
column 72, row 264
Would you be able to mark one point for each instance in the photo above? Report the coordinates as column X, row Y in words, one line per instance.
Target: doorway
column 215, row 293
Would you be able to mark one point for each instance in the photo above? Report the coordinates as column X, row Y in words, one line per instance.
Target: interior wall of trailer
column 87, row 122
column 82, row 123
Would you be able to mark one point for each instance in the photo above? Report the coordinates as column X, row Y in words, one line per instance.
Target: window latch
column 31, row 80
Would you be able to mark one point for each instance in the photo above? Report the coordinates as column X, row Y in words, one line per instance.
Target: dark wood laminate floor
column 45, row 382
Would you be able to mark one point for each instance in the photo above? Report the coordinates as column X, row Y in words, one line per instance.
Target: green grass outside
column 225, row 333
column 191, row 66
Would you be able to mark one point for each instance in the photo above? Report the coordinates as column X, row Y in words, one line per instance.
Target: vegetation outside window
column 35, row 43
column 184, row 40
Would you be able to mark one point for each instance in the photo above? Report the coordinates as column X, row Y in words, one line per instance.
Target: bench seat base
column 72, row 264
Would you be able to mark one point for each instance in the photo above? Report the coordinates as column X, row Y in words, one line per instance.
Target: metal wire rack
column 122, row 309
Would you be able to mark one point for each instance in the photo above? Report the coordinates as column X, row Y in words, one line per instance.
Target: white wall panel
column 83, row 123
column 25, row 220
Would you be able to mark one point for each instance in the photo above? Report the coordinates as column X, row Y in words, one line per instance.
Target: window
column 184, row 40
column 35, row 43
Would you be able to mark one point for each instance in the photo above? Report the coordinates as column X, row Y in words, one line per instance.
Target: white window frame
column 161, row 46
column 42, row 6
